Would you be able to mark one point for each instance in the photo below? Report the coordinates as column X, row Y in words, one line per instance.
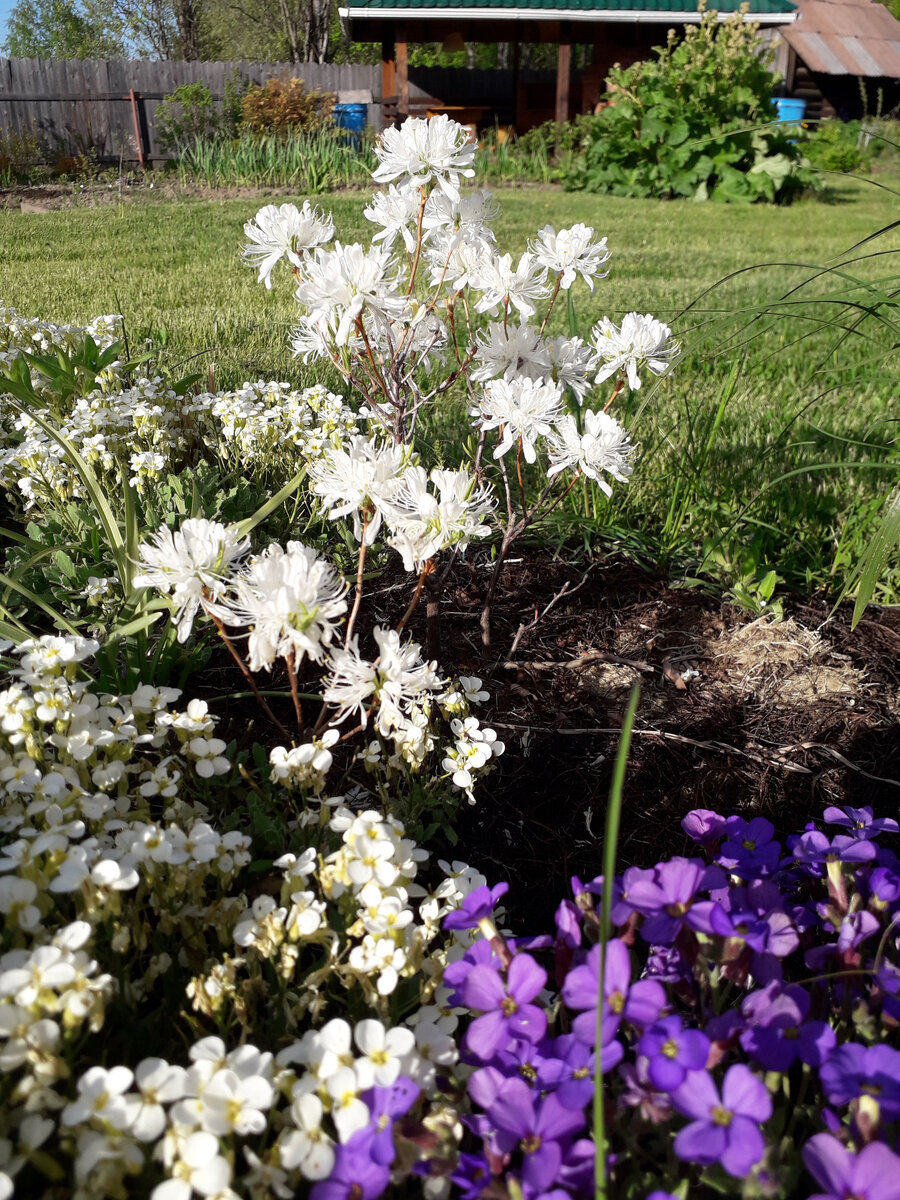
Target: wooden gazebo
column 618, row 30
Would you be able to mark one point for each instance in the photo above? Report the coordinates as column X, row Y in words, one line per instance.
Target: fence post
column 136, row 118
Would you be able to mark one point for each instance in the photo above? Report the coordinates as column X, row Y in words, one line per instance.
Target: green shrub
column 696, row 120
column 188, row 114
column 835, row 146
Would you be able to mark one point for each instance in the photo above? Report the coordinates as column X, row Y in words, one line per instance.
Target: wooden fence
column 108, row 109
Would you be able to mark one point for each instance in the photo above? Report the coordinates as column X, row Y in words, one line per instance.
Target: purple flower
column 472, row 1175
column 861, row 821
column 567, row 1068
column 568, row 924
column 749, row 850
column 814, row 848
column 883, row 887
column 672, row 1051
column 384, row 1104
column 873, row 1174
column 477, row 906
column 724, row 1130
column 505, row 1008
column 540, row 1129
column 778, row 1031
column 855, row 1070
column 640, row 1003
column 666, row 897
column 639, row 1093
column 703, row 825
column 355, row 1174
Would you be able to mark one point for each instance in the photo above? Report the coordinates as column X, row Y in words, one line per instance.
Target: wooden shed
column 839, row 55
column 619, row 31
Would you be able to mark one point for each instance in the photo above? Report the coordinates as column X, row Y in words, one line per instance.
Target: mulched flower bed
column 737, row 713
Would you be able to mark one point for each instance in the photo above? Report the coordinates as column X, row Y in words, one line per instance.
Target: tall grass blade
column 610, row 846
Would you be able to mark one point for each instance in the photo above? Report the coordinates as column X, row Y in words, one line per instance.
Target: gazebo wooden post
column 388, row 67
column 402, row 61
column 563, row 73
column 517, row 79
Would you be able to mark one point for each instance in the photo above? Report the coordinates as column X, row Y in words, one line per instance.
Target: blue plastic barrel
column 352, row 118
column 789, row 109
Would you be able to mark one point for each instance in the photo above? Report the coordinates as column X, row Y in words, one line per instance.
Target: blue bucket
column 790, row 110
column 352, row 118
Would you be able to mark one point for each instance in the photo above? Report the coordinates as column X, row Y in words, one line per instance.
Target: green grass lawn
column 708, row 493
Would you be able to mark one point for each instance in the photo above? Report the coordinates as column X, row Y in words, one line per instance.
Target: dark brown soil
column 737, row 713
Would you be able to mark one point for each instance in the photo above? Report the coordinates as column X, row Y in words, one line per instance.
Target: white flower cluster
column 18, row 333
column 255, row 423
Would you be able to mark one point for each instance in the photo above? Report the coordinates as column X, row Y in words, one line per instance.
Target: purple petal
column 665, row 1073
column 645, row 1002
column 743, row 1093
column 876, row 1173
column 513, row 1110
column 697, row 1096
column 828, row 1162
column 745, row 1148
column 529, row 1023
column 525, row 978
column 701, row 1141
column 483, row 989
column 488, row 1034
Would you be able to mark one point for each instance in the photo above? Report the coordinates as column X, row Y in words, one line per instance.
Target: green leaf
column 249, row 523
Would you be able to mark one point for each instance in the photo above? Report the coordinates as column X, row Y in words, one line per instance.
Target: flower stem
column 248, row 675
column 295, row 693
column 360, row 567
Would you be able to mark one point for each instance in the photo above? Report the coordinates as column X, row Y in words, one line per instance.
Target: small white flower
column 387, row 1050
column 502, row 286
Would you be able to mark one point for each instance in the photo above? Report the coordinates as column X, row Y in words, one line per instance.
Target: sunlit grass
column 727, row 484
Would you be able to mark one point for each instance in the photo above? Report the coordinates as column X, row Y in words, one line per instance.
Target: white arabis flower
column 284, row 231
column 571, row 252
column 519, row 408
column 641, row 342
column 192, row 563
column 388, row 1050
column 291, row 600
column 100, row 1096
column 199, row 1168
column 603, row 446
column 423, row 150
column 308, row 1146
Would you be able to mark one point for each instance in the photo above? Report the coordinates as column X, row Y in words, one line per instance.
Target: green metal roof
column 557, row 7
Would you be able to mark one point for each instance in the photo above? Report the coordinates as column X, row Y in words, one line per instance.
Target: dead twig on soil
column 565, row 590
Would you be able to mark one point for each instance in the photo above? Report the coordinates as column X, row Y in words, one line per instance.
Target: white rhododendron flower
column 571, row 252
column 396, row 211
column 396, row 680
column 604, row 446
column 523, row 409
column 284, row 231
column 357, row 479
column 425, row 522
column 338, row 286
column 193, row 563
column 510, row 350
column 291, row 599
column 641, row 342
column 421, row 150
column 502, row 286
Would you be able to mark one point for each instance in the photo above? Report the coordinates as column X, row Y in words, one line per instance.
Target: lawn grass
column 708, row 494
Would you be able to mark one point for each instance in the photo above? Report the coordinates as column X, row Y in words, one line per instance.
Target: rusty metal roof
column 846, row 37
